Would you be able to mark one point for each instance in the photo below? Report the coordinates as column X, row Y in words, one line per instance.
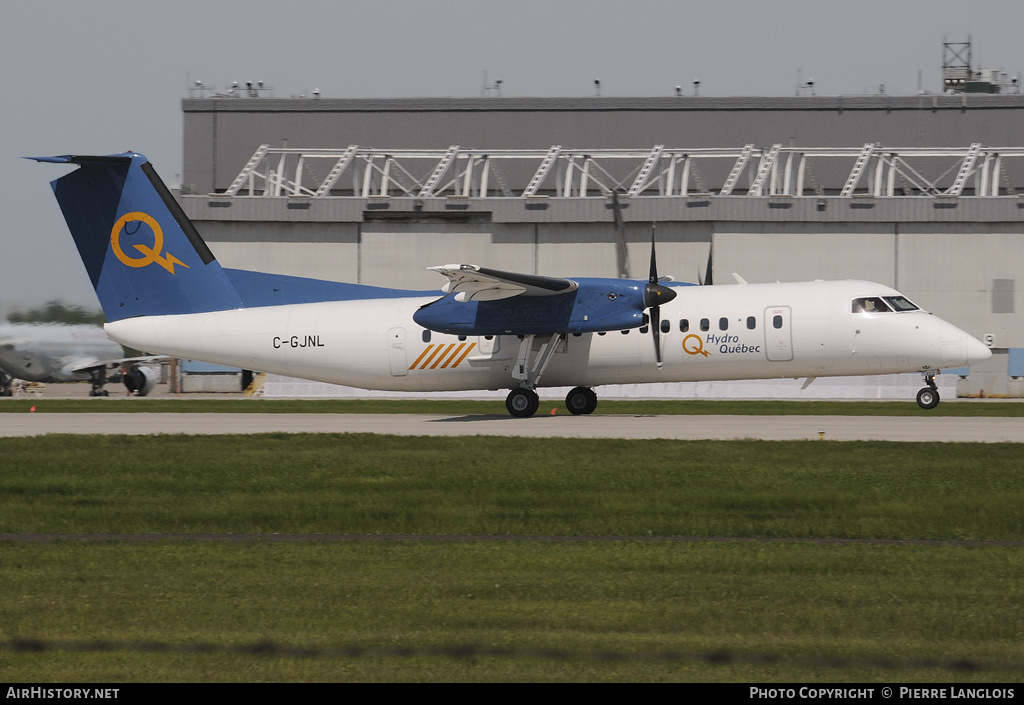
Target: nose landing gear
column 928, row 398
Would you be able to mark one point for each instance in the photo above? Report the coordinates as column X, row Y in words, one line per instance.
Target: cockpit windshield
column 901, row 303
column 870, row 304
column 883, row 304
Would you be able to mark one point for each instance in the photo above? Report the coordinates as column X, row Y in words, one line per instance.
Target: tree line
column 58, row 312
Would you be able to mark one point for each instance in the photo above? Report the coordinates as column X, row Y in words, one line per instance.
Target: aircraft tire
column 581, row 400
column 522, row 403
column 928, row 398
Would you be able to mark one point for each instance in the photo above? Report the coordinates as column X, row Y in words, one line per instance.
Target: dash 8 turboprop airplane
column 163, row 291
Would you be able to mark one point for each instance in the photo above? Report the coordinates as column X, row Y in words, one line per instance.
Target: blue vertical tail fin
column 144, row 256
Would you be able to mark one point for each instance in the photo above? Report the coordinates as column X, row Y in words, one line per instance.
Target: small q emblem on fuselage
column 697, row 349
column 150, row 254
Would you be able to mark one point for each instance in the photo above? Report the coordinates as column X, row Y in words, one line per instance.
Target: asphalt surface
column 543, row 425
column 829, row 428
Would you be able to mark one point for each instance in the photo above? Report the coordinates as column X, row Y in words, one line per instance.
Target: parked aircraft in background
column 163, row 290
column 54, row 352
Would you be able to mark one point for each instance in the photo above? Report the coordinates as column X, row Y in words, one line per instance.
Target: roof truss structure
column 559, row 172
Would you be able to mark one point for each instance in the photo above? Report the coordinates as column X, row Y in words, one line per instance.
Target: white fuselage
column 52, row 352
column 753, row 331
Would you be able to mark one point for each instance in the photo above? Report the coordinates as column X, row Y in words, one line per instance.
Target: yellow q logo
column 150, row 254
column 697, row 349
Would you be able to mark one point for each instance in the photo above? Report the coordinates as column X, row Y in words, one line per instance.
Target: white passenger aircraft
column 163, row 290
column 53, row 352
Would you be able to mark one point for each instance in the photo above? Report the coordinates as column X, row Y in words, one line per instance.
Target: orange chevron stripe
column 441, row 356
column 463, row 357
column 431, row 357
column 425, row 351
column 453, row 355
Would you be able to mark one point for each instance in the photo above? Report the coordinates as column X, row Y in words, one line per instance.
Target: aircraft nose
column 976, row 350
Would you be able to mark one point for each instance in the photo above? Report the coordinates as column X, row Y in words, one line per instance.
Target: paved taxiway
column 834, row 428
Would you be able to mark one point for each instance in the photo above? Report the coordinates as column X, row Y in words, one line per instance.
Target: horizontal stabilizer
column 80, row 159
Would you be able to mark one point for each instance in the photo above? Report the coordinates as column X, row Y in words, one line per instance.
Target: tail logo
column 150, row 254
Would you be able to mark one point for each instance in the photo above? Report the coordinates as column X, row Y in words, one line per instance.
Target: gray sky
column 105, row 76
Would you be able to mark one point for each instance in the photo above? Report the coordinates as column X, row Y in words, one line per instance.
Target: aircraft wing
column 473, row 283
column 86, row 365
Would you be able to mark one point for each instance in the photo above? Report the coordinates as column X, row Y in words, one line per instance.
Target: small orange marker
column 32, row 409
column 553, row 411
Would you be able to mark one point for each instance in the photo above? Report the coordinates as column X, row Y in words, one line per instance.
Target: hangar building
column 923, row 193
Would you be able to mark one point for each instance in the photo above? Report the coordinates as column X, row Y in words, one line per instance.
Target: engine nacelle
column 596, row 305
column 139, row 380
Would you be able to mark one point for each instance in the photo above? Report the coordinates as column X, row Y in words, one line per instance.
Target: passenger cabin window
column 643, row 329
column 723, row 324
column 870, row 304
column 666, row 326
column 901, row 304
column 625, row 332
column 684, row 325
column 426, row 336
column 751, row 322
column 705, row 324
column 777, row 322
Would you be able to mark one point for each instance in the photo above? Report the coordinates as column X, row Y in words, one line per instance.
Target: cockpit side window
column 901, row 304
column 870, row 304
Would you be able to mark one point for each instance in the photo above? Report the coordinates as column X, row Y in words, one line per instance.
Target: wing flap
column 472, row 283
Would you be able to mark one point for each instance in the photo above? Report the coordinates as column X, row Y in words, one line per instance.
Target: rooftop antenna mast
column 488, row 88
column 956, row 66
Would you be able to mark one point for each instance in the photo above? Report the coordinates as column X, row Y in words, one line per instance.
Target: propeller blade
column 656, row 330
column 707, row 277
column 654, row 263
column 654, row 295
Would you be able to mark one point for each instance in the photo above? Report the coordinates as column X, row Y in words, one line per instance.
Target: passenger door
column 396, row 352
column 778, row 334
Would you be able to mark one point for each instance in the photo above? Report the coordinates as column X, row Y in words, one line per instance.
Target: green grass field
column 503, row 607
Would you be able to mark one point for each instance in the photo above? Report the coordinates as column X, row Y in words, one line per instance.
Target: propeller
column 655, row 295
column 706, row 281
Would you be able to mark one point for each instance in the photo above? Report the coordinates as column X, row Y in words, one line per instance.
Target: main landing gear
column 97, row 380
column 928, row 398
column 522, row 402
column 581, row 400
